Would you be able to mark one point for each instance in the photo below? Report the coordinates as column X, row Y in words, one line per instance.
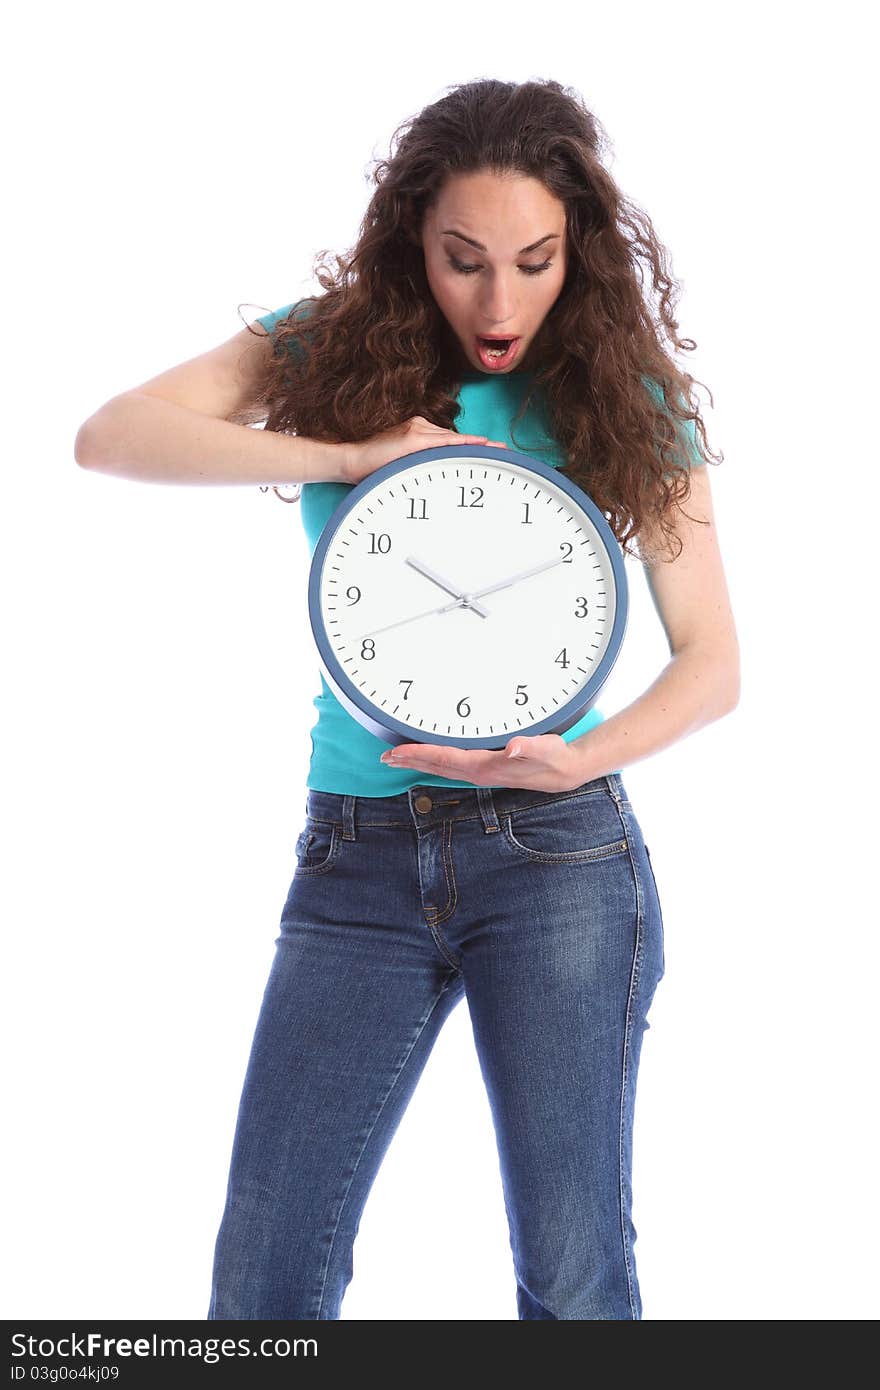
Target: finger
column 479, row 439
column 444, row 761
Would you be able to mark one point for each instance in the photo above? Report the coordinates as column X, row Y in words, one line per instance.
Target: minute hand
column 513, row 579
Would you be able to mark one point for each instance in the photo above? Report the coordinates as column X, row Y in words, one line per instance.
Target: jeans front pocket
column 567, row 829
column 318, row 846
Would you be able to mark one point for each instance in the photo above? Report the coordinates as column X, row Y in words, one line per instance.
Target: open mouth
column 497, row 352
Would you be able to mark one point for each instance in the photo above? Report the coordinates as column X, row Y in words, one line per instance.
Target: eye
column 471, row 269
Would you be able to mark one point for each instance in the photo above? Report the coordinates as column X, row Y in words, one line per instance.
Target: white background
column 170, row 162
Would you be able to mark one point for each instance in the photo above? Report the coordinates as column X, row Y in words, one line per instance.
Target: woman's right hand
column 365, row 457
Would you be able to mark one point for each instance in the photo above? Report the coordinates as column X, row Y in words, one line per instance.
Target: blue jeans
column 541, row 908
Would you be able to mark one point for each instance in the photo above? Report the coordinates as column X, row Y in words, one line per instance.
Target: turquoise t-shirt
column 345, row 755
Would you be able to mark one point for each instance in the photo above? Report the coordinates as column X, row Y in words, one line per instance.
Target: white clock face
column 467, row 597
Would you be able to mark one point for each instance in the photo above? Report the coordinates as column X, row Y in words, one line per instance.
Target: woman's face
column 495, row 257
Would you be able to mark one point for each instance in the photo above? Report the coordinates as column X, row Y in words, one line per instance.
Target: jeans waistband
column 425, row 805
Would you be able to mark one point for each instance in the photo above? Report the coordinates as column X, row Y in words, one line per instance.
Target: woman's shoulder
column 299, row 309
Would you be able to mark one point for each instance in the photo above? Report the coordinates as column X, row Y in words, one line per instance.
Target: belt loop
column 612, row 782
column 349, row 826
column 487, row 809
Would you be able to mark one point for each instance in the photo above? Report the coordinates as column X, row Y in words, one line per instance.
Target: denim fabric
column 542, row 910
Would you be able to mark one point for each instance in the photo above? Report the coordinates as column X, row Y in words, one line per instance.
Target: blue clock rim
column 385, row 726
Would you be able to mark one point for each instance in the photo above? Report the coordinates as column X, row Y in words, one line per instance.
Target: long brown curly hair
column 376, row 349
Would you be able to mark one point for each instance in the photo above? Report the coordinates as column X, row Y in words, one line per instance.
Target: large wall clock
column 463, row 594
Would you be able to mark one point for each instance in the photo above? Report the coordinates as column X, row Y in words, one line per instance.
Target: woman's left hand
column 543, row 762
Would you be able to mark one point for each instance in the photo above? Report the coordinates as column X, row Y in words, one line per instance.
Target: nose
column 498, row 303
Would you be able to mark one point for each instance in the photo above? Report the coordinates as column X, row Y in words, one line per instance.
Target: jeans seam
column 394, row 1080
column 432, row 914
column 635, row 973
column 431, row 919
column 449, row 875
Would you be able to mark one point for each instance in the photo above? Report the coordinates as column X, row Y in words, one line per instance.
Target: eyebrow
column 480, row 247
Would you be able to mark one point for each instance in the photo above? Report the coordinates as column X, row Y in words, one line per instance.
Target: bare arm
column 192, row 424
column 701, row 682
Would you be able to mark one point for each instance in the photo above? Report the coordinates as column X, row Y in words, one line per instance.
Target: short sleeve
column 269, row 320
column 301, row 308
column 692, row 454
column 687, row 428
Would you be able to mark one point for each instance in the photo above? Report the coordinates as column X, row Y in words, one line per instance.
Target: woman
column 519, row 877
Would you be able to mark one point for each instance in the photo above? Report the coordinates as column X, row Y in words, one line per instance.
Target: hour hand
column 465, row 600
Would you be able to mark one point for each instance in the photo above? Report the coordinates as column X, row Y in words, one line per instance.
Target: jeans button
column 423, row 803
